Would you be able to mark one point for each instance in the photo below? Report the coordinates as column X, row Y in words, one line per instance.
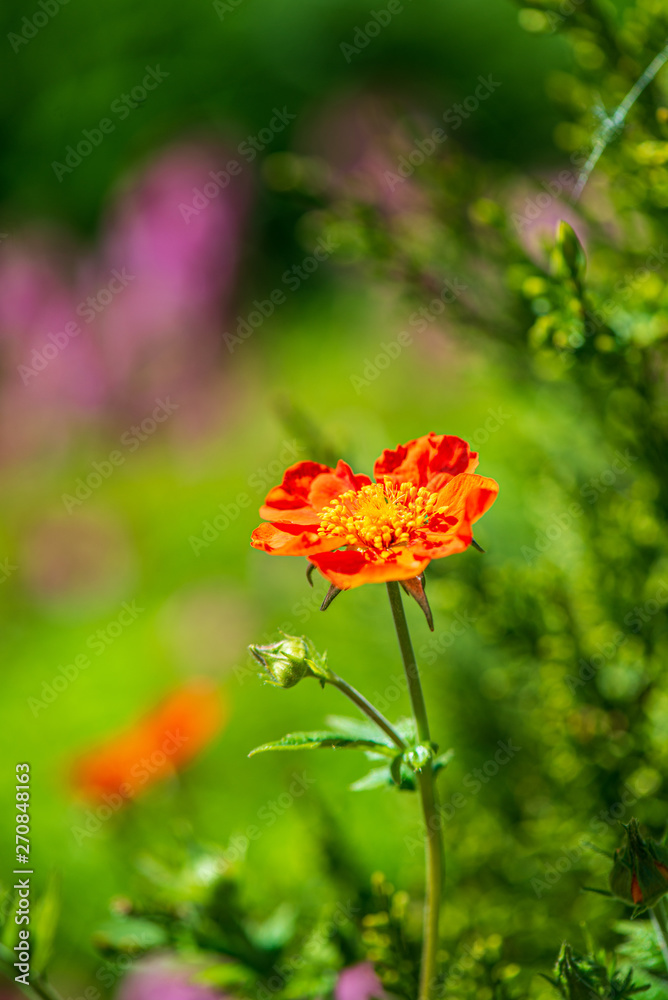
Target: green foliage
column 555, row 641
column 322, row 741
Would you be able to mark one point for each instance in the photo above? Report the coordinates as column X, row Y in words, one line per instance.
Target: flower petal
column 431, row 461
column 467, row 498
column 288, row 539
column 307, row 487
column 296, row 485
column 350, row 568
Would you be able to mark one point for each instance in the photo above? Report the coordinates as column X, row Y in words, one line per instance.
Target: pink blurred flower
column 102, row 334
column 359, row 982
column 176, row 232
column 370, row 152
column 162, row 978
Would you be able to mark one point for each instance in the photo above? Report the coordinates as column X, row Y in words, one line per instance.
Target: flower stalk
column 435, row 862
column 362, row 703
column 660, row 925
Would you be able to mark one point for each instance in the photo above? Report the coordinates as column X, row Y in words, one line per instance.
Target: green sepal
column 289, row 660
column 395, row 769
column 323, row 741
column 421, row 756
column 442, row 760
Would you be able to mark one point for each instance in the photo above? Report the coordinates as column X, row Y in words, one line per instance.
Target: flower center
column 379, row 516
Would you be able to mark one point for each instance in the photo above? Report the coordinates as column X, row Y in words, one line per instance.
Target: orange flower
column 422, row 506
column 156, row 746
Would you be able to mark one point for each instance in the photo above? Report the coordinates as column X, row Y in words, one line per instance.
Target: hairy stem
column 366, row 707
column 435, row 864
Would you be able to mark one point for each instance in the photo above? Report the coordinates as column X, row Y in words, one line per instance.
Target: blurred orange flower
column 422, row 506
column 156, row 746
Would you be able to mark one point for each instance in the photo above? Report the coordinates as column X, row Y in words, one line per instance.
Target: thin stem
column 366, row 707
column 660, row 925
column 613, row 122
column 410, row 665
column 435, row 863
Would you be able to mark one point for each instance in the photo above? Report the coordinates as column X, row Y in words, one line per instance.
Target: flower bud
column 639, row 873
column 289, row 660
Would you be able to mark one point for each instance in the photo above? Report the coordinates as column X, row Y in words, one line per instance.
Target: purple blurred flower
column 175, row 239
column 370, row 152
column 101, row 335
column 359, row 982
column 162, row 978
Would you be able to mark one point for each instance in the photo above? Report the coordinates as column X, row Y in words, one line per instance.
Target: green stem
column 410, row 665
column 660, row 924
column 435, row 864
column 366, row 707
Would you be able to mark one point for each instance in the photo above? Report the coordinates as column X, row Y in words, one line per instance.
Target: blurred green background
column 531, row 611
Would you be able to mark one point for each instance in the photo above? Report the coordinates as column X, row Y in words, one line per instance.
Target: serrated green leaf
column 359, row 729
column 322, row 741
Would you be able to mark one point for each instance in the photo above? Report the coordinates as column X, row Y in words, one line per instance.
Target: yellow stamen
column 380, row 516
